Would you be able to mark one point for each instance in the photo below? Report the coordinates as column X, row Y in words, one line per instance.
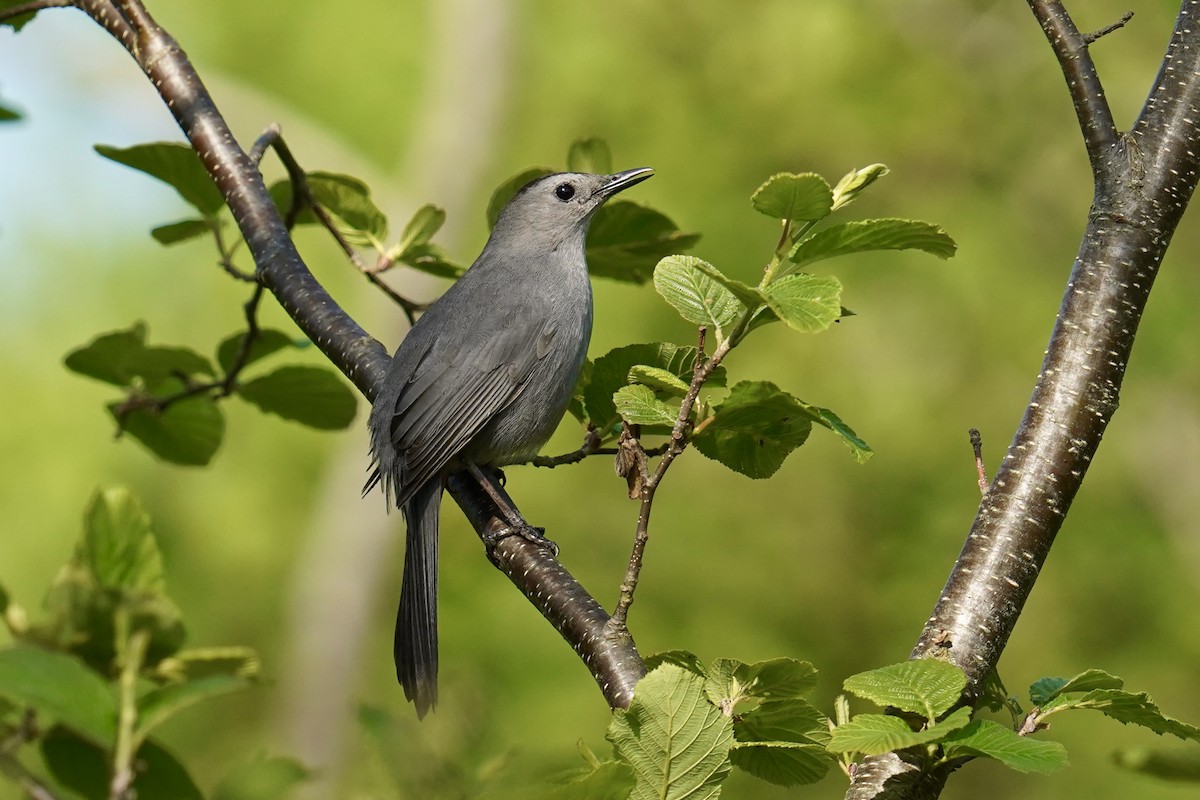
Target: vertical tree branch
column 1143, row 183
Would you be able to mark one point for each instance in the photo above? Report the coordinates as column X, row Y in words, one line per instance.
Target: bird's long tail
column 416, row 645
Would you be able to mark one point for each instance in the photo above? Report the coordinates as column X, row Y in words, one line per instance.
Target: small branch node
column 977, row 446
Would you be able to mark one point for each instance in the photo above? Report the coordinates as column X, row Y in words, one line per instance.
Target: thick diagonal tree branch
column 613, row 660
column 1144, row 180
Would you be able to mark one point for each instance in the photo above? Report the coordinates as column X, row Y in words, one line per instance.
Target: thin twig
column 226, row 259
column 1083, row 82
column 702, row 368
column 302, row 197
column 218, row 389
column 1088, row 38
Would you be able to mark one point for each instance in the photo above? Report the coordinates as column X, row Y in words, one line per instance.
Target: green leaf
column 62, row 688
column 680, row 658
column 627, row 239
column 119, row 357
column 312, row 396
column 173, row 163
column 660, row 380
column 181, row 231
column 1126, row 707
column 264, row 778
column 720, row 685
column 118, row 545
column 637, row 405
column 805, row 197
column 754, row 429
column 859, row 449
column 778, row 678
column 788, row 720
column 1044, row 690
column 428, row 220
column 188, row 432
column 431, row 259
column 348, row 201
column 989, row 739
column 197, row 663
column 158, row 705
column 1088, row 680
column 590, row 155
column 749, row 295
column 873, row 234
column 507, row 190
column 8, row 114
column 1178, row 764
column 875, row 734
column 265, row 343
column 612, row 371
column 923, row 686
column 697, row 297
column 807, row 303
column 607, row 780
column 675, row 740
column 782, row 763
column 84, row 768
column 853, row 183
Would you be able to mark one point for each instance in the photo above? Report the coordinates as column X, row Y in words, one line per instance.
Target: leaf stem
column 127, row 715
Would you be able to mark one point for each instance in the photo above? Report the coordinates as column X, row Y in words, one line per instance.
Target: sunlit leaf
column 755, row 429
column 637, row 405
column 805, row 197
column 699, row 298
column 872, row 234
column 875, row 734
column 923, row 686
column 853, row 183
column 676, row 741
column 807, row 303
column 989, row 739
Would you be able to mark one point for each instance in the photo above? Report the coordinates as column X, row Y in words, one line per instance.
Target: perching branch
column 1144, row 180
column 611, row 656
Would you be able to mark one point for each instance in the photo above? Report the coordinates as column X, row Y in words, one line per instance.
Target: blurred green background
column 828, row 561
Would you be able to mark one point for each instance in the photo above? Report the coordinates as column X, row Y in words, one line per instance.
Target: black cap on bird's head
column 554, row 206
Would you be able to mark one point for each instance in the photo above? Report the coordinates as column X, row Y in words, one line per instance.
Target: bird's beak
column 623, row 180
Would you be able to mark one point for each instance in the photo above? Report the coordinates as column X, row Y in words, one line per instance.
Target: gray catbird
column 483, row 379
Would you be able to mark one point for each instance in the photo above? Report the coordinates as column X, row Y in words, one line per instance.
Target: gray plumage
column 484, row 377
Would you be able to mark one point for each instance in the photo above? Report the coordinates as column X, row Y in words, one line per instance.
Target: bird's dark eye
column 564, row 191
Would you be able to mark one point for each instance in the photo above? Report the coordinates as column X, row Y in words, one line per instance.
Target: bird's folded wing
column 453, row 392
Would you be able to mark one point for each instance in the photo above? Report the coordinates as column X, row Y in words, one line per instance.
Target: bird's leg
column 517, row 526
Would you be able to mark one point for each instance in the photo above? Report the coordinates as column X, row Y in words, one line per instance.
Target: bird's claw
column 527, row 532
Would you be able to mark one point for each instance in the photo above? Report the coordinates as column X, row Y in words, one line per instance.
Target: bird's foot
column 527, row 532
